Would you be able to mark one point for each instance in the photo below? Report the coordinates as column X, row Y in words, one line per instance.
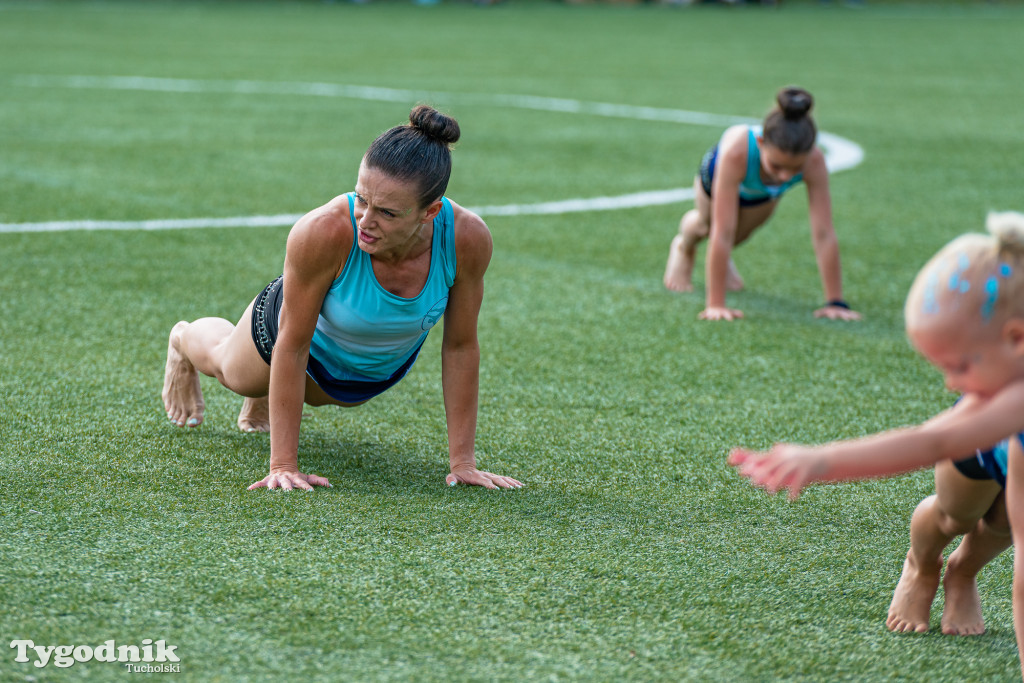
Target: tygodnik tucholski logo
column 148, row 657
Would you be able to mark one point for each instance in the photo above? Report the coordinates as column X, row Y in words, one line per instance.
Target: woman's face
column 778, row 166
column 387, row 211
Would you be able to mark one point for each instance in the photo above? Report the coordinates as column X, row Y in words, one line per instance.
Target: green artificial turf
column 632, row 552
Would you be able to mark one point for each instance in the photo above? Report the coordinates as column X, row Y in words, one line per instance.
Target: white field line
column 840, row 153
column 160, row 224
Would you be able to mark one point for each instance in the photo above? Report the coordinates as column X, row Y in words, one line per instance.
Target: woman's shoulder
column 816, row 167
column 733, row 150
column 473, row 243
column 737, row 136
column 468, row 225
column 323, row 231
column 331, row 221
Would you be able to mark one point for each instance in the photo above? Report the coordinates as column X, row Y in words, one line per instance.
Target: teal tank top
column 366, row 333
column 753, row 188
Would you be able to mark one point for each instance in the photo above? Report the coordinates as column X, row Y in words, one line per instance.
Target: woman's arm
column 725, row 206
column 968, row 426
column 460, row 352
column 823, row 237
column 316, row 247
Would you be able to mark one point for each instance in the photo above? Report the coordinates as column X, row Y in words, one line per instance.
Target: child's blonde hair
column 977, row 276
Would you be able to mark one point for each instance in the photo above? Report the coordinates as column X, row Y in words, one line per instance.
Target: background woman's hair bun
column 434, row 124
column 794, row 102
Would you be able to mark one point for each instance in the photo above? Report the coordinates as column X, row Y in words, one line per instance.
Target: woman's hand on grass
column 836, row 313
column 720, row 313
column 473, row 477
column 289, row 480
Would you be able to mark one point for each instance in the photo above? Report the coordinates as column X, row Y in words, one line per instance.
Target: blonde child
column 965, row 315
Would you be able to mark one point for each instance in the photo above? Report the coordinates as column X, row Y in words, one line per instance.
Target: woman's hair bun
column 434, row 124
column 794, row 102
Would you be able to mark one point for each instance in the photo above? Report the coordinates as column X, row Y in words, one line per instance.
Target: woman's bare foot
column 961, row 615
column 911, row 606
column 255, row 415
column 182, row 395
column 679, row 269
column 733, row 281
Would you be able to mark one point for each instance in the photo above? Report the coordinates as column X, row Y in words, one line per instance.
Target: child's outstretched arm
column 970, row 425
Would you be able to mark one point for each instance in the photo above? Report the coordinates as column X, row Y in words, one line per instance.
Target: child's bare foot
column 733, row 281
column 679, row 269
column 911, row 606
column 182, row 395
column 255, row 415
column 961, row 615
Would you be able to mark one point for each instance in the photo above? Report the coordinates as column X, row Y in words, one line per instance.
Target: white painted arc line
column 840, row 154
column 638, row 199
column 377, row 94
column 161, row 224
column 625, row 201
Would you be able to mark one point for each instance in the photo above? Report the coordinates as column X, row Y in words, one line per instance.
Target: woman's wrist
column 461, row 463
column 284, row 464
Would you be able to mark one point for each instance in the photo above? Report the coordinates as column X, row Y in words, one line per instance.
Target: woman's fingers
column 477, row 477
column 289, row 481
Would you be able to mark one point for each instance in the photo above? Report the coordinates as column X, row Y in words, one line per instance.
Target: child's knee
column 955, row 525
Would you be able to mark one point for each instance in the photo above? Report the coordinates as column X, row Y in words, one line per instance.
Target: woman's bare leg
column 749, row 219
column 215, row 347
column 254, row 415
column 182, row 395
column 695, row 227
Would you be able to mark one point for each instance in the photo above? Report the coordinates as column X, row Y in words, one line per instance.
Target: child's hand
column 785, row 466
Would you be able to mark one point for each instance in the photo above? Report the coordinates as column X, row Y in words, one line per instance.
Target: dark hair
column 789, row 126
column 418, row 152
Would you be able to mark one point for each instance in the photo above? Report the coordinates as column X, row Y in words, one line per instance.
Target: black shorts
column 707, row 174
column 981, row 466
column 266, row 311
